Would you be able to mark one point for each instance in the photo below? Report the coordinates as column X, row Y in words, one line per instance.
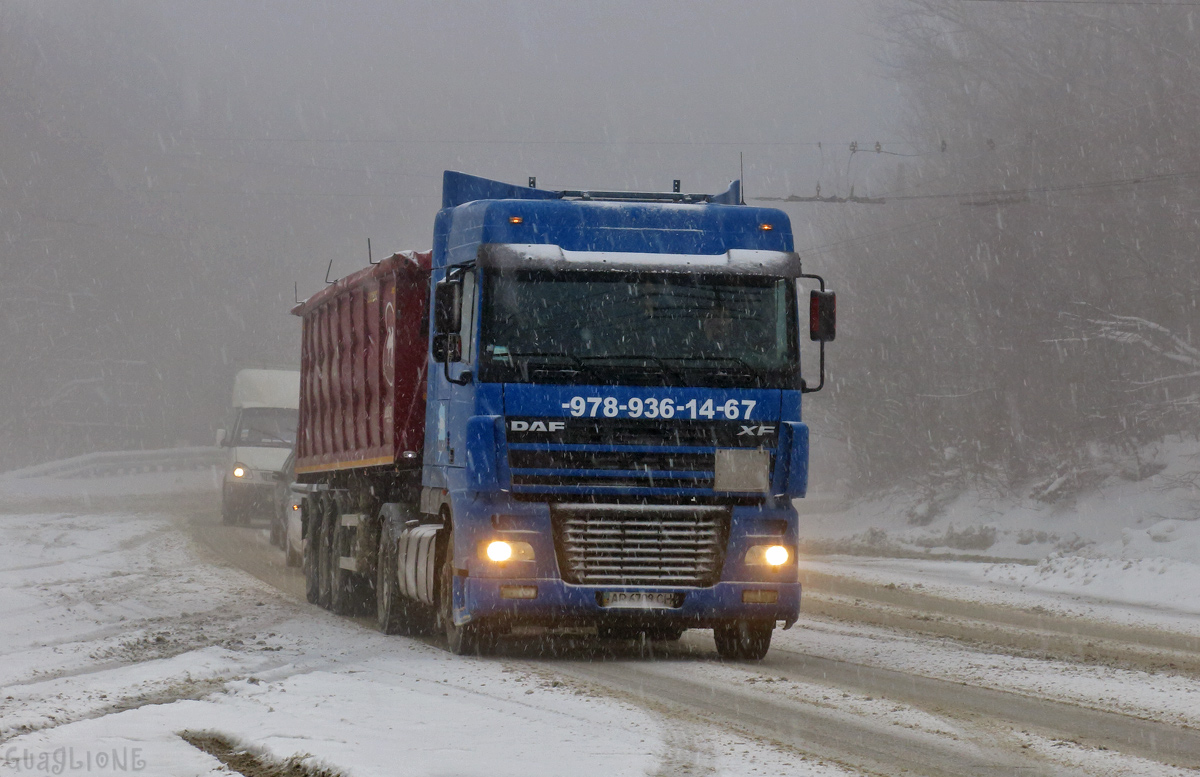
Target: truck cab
column 613, row 424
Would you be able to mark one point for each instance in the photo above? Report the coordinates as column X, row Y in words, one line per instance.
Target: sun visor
column 736, row 261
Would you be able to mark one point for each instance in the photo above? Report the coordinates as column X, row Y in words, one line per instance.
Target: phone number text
column 654, row 407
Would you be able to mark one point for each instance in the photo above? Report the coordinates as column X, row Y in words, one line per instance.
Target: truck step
column 350, row 520
column 348, row 563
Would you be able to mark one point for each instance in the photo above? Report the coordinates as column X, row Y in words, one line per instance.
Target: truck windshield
column 266, row 427
column 639, row 329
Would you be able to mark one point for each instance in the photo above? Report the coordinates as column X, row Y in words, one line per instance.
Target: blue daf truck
column 612, row 426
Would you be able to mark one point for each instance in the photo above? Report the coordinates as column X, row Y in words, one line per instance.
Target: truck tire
column 349, row 592
column 469, row 638
column 395, row 613
column 341, row 599
column 743, row 640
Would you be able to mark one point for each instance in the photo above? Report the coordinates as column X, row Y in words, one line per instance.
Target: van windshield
column 266, row 427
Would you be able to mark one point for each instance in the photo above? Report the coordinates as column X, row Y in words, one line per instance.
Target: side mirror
column 220, row 438
column 447, row 347
column 447, row 307
column 822, row 316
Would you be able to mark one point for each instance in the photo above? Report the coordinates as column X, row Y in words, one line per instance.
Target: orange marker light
column 515, row 220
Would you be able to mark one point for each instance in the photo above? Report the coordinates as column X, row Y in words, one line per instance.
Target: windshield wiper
column 572, row 358
column 658, row 360
column 737, row 359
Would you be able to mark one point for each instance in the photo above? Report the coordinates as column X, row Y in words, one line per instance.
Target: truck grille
column 547, row 454
column 611, row 468
column 619, row 545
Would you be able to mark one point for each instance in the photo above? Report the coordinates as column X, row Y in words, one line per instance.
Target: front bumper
column 562, row 604
column 249, row 496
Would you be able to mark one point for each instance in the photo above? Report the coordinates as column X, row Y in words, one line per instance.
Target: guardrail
column 116, row 463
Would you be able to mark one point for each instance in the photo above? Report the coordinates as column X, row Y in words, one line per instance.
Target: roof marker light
column 766, row 227
column 515, row 219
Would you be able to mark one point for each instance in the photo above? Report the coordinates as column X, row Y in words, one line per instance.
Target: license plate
column 639, row 600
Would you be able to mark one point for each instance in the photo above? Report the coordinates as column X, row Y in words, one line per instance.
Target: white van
column 260, row 435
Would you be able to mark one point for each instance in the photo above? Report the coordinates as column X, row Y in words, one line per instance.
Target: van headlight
column 239, row 470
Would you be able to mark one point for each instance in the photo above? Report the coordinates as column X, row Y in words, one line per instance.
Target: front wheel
column 743, row 640
column 394, row 613
column 469, row 638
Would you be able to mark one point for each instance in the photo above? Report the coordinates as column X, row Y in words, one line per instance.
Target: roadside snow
column 1123, row 548
column 1115, row 510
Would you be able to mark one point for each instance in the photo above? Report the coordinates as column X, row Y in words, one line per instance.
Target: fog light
column 760, row 597
column 499, row 551
column 239, row 471
column 518, row 592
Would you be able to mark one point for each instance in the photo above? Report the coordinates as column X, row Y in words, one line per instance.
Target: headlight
column 770, row 555
column 499, row 551
column 239, row 470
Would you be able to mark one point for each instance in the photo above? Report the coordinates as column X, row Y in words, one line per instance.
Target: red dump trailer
column 362, row 366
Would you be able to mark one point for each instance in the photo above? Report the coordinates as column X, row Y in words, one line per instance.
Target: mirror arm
column 816, row 278
column 463, row 379
column 804, row 387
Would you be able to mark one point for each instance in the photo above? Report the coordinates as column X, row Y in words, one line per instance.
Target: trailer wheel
column 469, row 638
column 341, row 594
column 743, row 640
column 395, row 613
column 349, row 591
column 312, row 550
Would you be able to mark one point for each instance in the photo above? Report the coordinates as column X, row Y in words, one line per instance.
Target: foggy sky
column 169, row 170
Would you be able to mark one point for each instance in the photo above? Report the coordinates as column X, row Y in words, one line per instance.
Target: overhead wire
column 1090, row 2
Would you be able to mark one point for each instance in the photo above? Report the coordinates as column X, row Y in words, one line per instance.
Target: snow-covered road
column 124, row 629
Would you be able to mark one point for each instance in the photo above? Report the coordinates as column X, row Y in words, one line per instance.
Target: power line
column 1088, row 185
column 1089, row 2
column 997, row 196
column 479, row 142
